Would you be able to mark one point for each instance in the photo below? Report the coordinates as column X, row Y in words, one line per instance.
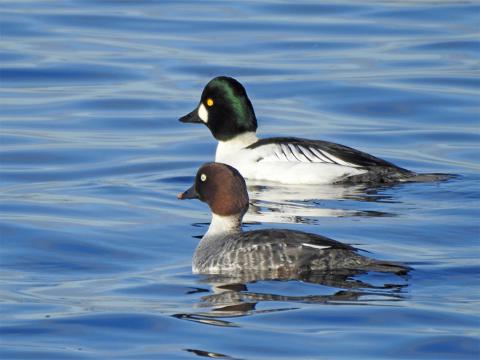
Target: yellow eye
column 203, row 177
column 209, row 102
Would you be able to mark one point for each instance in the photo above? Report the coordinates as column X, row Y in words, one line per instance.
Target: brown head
column 221, row 187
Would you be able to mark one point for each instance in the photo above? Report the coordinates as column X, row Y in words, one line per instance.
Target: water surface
column 95, row 247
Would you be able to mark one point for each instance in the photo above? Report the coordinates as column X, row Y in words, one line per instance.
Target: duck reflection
column 230, row 295
column 305, row 203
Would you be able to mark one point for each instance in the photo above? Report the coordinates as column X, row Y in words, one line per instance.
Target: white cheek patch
column 203, row 113
column 320, row 247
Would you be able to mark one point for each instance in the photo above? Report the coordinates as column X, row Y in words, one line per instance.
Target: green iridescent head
column 225, row 108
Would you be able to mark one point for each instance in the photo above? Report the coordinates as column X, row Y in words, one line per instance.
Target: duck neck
column 224, row 225
column 228, row 147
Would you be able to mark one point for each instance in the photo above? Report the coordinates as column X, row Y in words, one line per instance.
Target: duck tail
column 429, row 177
column 388, row 266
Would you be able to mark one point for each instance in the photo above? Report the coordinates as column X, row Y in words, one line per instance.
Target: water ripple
column 95, row 247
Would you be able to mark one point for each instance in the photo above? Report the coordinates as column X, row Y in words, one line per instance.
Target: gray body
column 280, row 252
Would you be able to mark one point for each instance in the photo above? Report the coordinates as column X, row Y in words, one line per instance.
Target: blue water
column 95, row 247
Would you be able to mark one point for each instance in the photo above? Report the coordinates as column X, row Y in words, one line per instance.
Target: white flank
column 203, row 113
column 320, row 247
column 284, row 163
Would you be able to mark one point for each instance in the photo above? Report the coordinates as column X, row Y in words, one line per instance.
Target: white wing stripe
column 309, row 154
column 319, row 247
column 328, row 156
column 320, row 155
column 336, row 159
column 288, row 153
column 279, row 153
column 297, row 153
